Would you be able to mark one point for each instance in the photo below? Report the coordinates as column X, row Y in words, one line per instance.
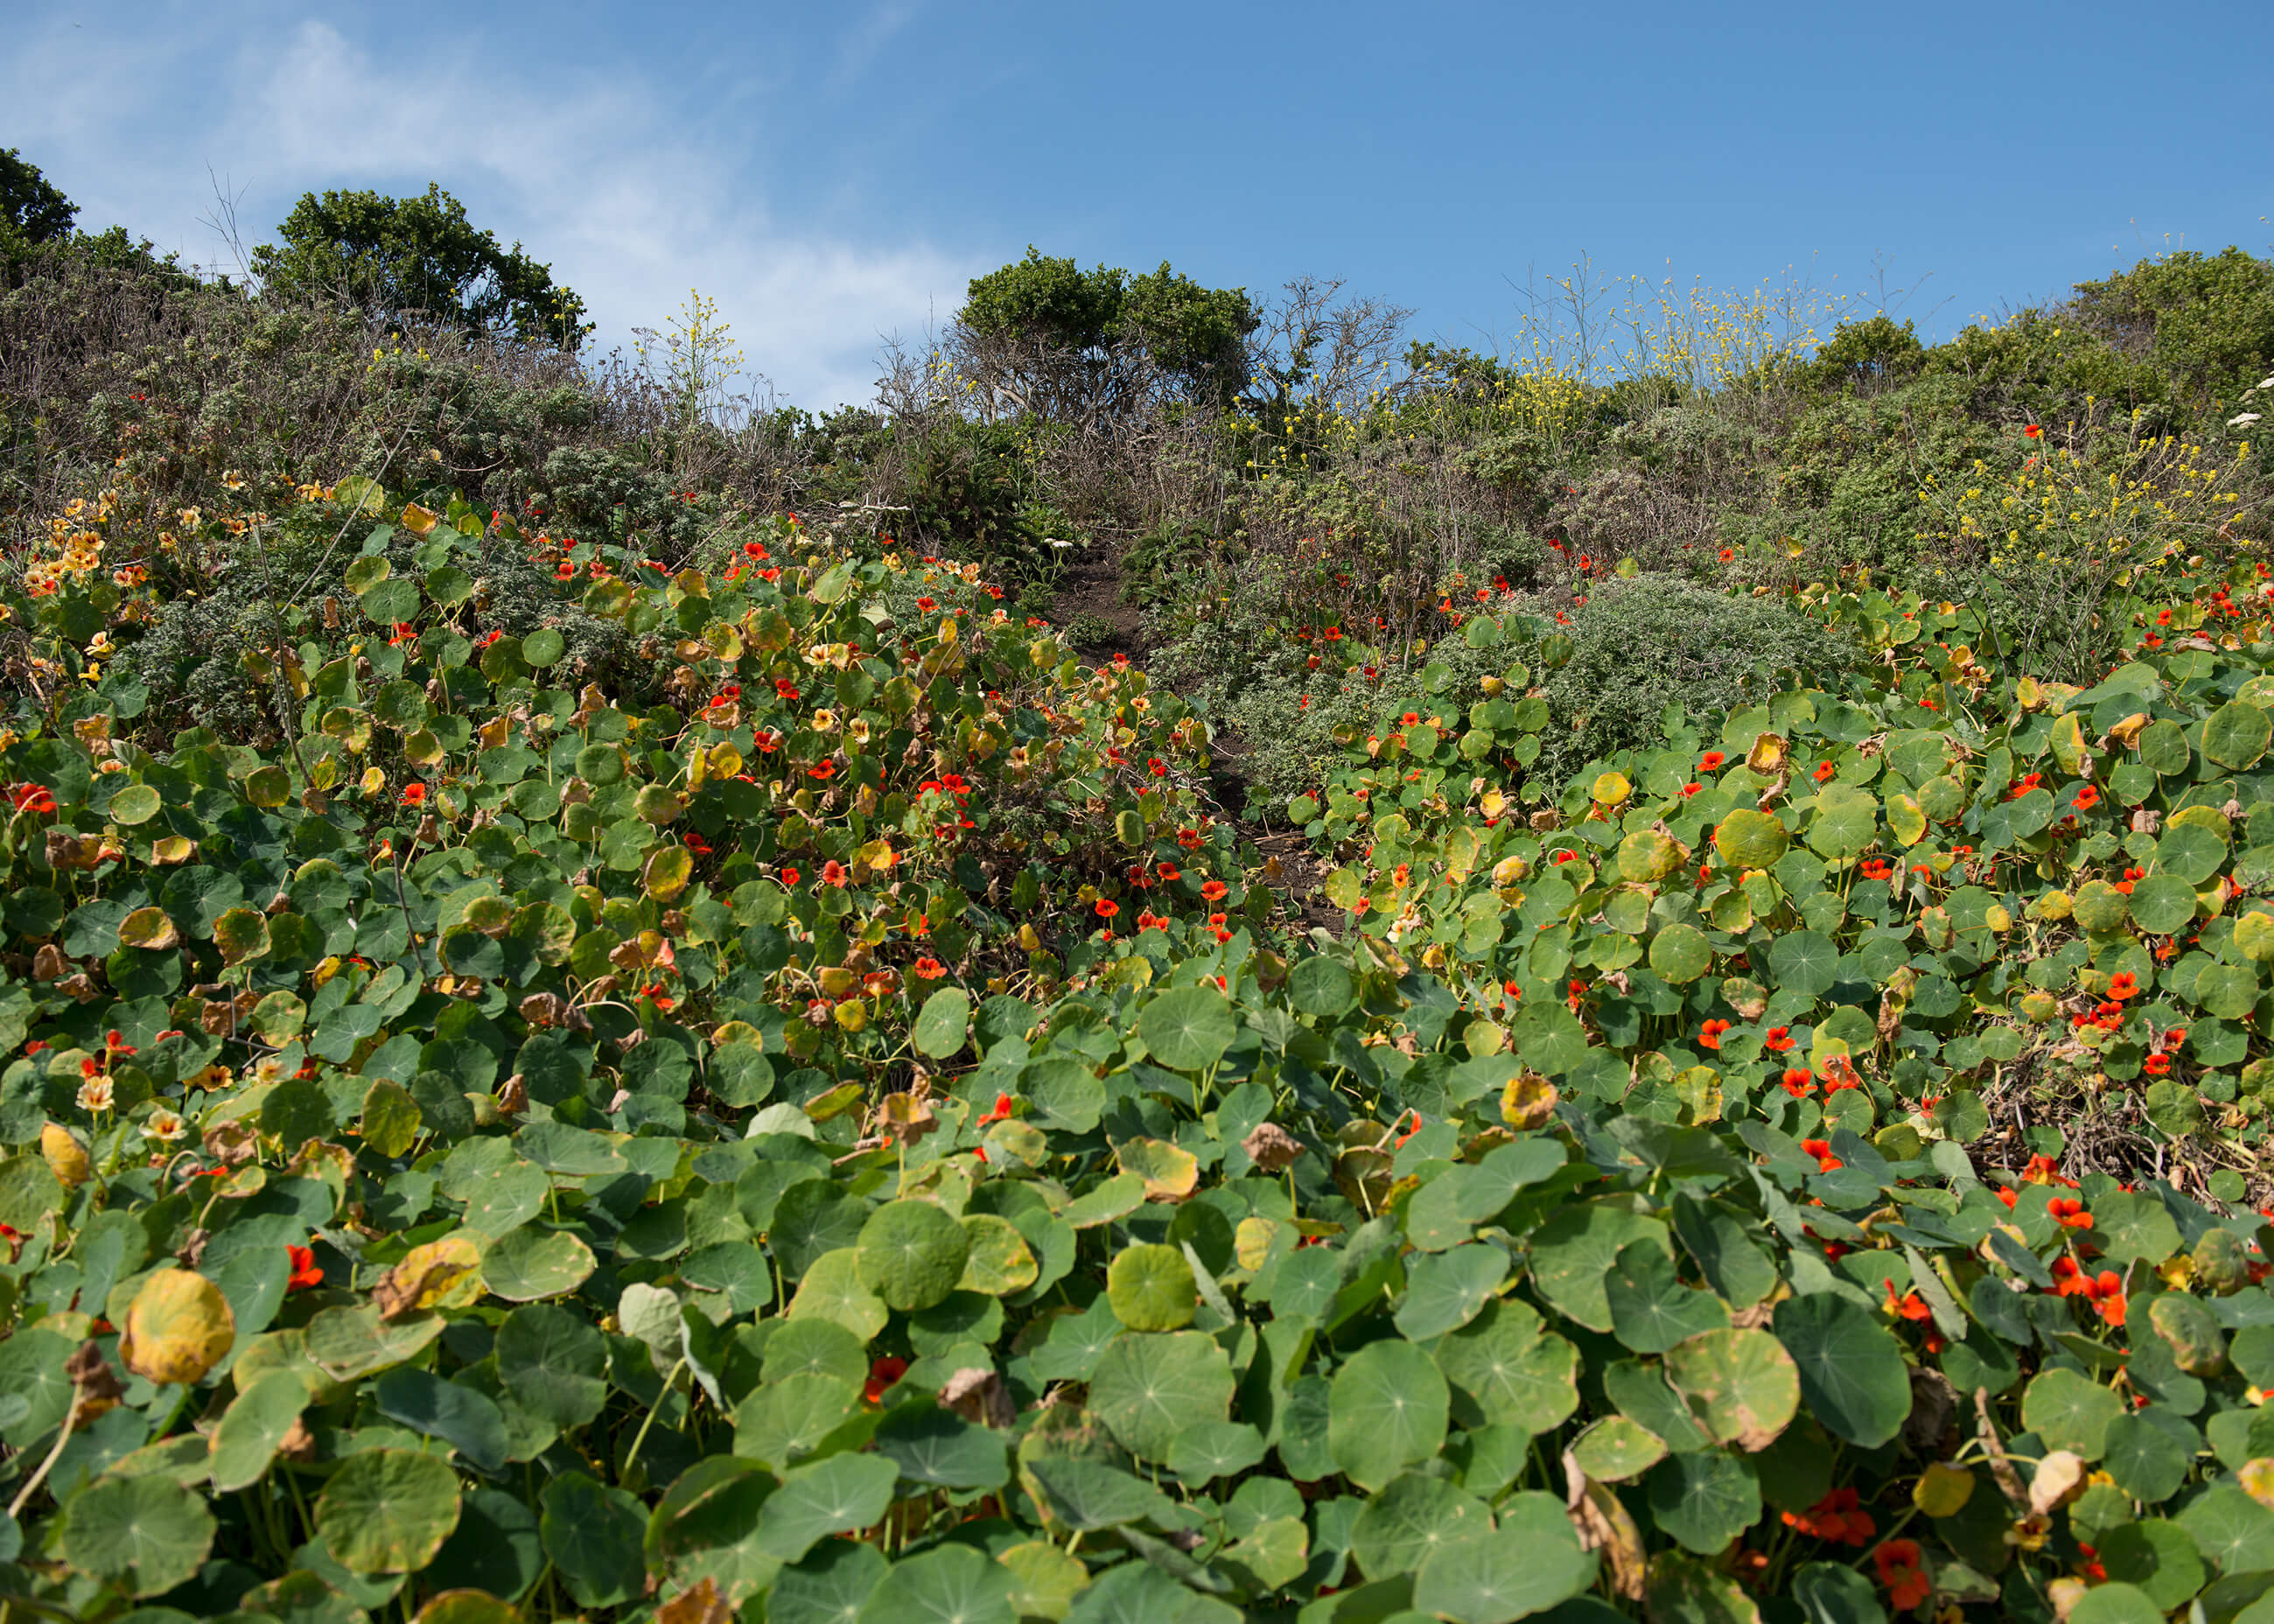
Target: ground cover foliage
column 705, row 1061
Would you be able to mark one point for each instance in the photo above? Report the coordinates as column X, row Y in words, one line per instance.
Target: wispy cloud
column 866, row 40
column 631, row 201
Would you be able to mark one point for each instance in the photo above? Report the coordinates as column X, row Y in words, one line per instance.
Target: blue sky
column 832, row 174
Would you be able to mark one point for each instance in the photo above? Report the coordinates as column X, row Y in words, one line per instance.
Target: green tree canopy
column 32, row 209
column 36, row 211
column 404, row 254
column 1073, row 344
column 2205, row 320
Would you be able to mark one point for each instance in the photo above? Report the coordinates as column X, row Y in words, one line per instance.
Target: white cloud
column 627, row 197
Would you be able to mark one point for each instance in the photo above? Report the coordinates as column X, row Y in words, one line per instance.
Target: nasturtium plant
column 828, row 1119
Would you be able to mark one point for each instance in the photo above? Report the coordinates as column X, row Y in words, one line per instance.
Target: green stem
column 640, row 1437
column 15, row 1505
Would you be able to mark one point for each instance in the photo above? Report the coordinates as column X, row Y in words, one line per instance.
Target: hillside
column 1206, row 967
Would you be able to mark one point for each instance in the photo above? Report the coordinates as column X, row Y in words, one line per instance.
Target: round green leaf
column 1321, row 986
column 1387, row 1410
column 530, row 1263
column 1444, row 1290
column 912, row 1254
column 829, row 1586
column 1149, row 1389
column 1531, row 1562
column 1704, row 1498
column 2162, row 903
column 1741, row 1384
column 1852, row 1375
column 246, row 1439
column 391, row 602
column 1188, row 1028
column 1508, row 1370
column 1213, row 1449
column 2235, row 735
column 554, row 1364
column 2070, row 1411
column 144, row 1534
column 1412, row 1519
column 2158, row 1557
column 543, row 647
column 949, row 1584
column 1680, row 953
column 1151, row 1288
column 1000, row 1261
column 387, row 1510
column 2191, row 852
column 1804, row 961
column 831, row 1496
column 1616, row 1449
column 1747, row 838
column 833, row 1288
column 2099, row 907
column 2115, row 1603
column 1574, row 1250
column 941, row 1022
column 137, row 803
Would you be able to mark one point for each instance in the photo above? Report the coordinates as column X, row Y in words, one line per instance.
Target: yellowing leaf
column 65, row 1156
column 1170, row 1171
column 444, row 1274
column 1528, row 1101
column 1943, row 1490
column 179, row 1328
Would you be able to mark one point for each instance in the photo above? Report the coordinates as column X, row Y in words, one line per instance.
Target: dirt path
column 1090, row 605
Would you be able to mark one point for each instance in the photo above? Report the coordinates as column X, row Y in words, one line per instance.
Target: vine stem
column 640, row 1437
column 15, row 1505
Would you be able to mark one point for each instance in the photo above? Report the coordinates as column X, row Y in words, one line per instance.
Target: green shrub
column 1640, row 645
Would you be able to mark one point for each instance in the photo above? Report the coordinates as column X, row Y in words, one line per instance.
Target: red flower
column 2033, row 432
column 2157, row 1065
column 2124, row 984
column 1821, row 1149
column 1214, row 891
column 1900, row 1575
column 827, row 770
column 414, row 794
column 1710, row 1035
column 1778, row 1041
column 926, row 605
column 1689, row 790
column 833, row 873
column 1169, row 871
column 2069, row 1212
column 1838, row 1517
column 31, row 797
column 882, row 1375
column 1799, row 1082
column 1002, row 1111
column 1711, row 760
column 305, row 1272
column 1911, row 1305
column 1106, row 907
column 1824, row 770
column 930, row 969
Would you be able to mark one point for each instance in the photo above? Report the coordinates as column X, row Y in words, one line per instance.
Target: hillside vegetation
column 1206, row 965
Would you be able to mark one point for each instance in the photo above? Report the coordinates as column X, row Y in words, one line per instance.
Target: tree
column 397, row 256
column 32, row 210
column 1042, row 335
